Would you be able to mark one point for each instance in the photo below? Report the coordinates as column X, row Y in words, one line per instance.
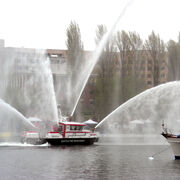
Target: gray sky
column 43, row 23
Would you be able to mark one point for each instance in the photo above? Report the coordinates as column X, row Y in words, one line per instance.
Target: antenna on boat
column 162, row 123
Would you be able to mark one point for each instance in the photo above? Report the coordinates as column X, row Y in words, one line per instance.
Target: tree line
column 125, row 65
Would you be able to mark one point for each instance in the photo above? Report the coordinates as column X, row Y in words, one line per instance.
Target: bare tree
column 155, row 48
column 173, row 60
column 130, row 47
column 75, row 63
column 74, row 46
column 137, row 55
column 105, row 82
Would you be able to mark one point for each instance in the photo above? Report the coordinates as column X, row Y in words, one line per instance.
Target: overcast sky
column 43, row 23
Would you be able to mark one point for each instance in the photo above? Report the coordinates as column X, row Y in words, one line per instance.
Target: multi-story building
column 149, row 70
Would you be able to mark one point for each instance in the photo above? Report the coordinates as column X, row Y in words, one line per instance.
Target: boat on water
column 35, row 137
column 63, row 133
column 71, row 133
column 173, row 140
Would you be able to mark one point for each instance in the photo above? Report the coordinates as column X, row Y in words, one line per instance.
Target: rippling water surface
column 104, row 160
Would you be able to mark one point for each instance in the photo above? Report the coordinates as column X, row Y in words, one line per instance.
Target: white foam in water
column 151, row 158
column 13, row 144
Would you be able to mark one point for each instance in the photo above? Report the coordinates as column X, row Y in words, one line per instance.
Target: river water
column 106, row 160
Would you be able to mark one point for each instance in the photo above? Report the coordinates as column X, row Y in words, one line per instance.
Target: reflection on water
column 18, row 144
column 99, row 161
column 133, row 139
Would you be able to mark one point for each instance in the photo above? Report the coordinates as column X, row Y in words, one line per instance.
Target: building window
column 149, row 75
column 149, row 82
column 53, row 55
column 91, row 101
column 54, row 61
column 142, row 68
column 162, row 68
column 149, row 68
column 149, row 62
column 142, row 76
column 142, row 62
column 91, row 92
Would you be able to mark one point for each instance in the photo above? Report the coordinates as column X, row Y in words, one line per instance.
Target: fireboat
column 63, row 133
column 71, row 133
column 173, row 140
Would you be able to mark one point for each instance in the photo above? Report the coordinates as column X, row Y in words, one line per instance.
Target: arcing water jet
column 27, row 84
column 92, row 61
column 152, row 106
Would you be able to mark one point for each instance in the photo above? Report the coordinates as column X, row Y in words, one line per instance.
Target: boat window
column 60, row 128
column 73, row 128
column 79, row 128
column 76, row 128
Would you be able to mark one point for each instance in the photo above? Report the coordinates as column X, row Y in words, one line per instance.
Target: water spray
column 154, row 96
column 14, row 112
column 99, row 50
column 157, row 153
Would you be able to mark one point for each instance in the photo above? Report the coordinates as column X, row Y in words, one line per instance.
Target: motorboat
column 61, row 133
column 35, row 136
column 173, row 140
column 32, row 137
column 71, row 133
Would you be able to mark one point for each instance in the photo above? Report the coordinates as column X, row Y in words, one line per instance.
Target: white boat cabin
column 70, row 130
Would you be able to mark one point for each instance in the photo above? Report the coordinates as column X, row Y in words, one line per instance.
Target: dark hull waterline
column 72, row 141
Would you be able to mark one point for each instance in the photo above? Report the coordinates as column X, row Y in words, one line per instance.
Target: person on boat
column 166, row 132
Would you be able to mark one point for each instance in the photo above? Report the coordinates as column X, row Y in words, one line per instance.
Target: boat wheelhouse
column 71, row 133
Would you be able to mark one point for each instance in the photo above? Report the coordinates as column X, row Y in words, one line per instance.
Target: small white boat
column 173, row 140
column 36, row 136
